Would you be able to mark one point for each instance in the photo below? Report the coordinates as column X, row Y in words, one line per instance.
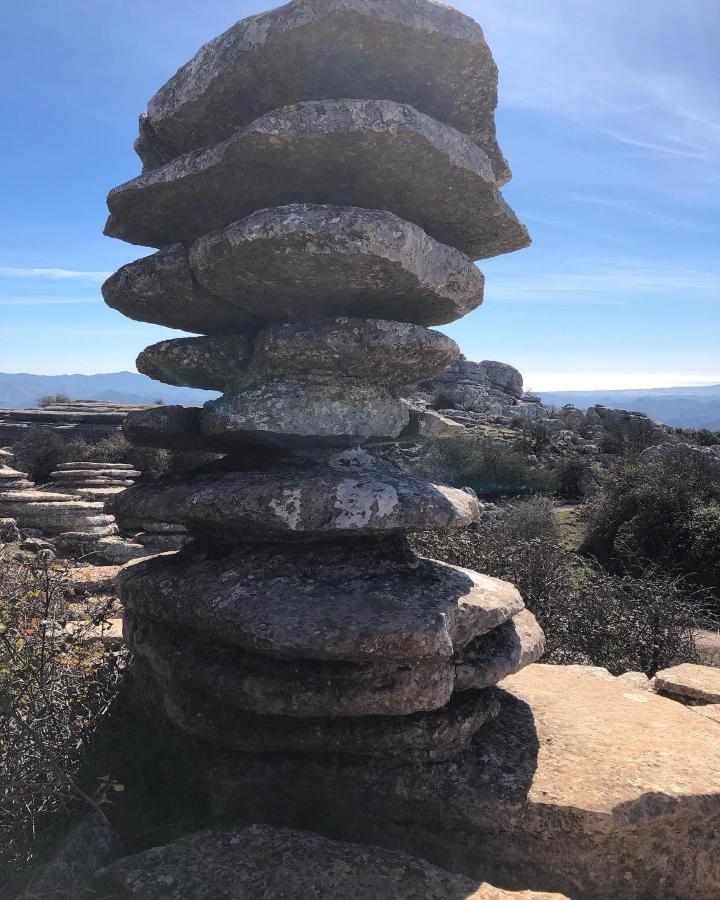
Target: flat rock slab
column 62, row 475
column 373, row 154
column 383, row 352
column 267, row 686
column 162, row 289
column 93, row 466
column 343, row 603
column 304, row 505
column 578, row 786
column 261, row 861
column 207, row 363
column 300, row 412
column 421, row 737
column 422, row 53
column 501, row 652
column 305, row 261
column 690, row 681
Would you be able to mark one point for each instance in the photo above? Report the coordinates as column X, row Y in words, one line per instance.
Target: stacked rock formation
column 310, row 239
column 93, row 480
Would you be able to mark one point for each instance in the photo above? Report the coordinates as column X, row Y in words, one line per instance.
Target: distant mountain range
column 23, row 390
column 684, row 407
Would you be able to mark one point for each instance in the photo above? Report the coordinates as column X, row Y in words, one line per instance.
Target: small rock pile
column 93, row 480
column 310, row 239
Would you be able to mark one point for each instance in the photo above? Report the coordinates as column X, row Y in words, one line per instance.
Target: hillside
column 22, row 390
column 683, row 407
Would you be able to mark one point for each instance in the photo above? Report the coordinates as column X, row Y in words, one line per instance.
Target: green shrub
column 626, row 621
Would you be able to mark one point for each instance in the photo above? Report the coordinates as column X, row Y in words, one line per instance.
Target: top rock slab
column 418, row 52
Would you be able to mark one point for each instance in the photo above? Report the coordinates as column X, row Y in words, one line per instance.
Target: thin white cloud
column 52, row 274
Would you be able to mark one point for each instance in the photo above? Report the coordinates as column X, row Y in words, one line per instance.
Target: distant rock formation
column 86, row 419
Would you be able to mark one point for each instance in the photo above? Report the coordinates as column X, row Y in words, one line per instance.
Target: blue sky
column 609, row 115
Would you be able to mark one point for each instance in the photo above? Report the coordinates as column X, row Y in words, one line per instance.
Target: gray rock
column 153, row 542
column 173, row 427
column 347, row 500
column 306, row 261
column 9, row 532
column 98, row 551
column 501, row 652
column 161, row 289
column 55, row 516
column 352, row 602
column 95, row 466
column 265, row 862
column 208, row 363
column 297, row 412
column 87, row 846
column 259, row 684
column 422, row 53
column 420, row 737
column 373, row 154
column 392, row 353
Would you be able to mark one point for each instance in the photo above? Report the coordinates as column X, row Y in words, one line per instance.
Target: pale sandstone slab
column 265, row 862
column 411, row 51
column 421, row 737
column 207, row 363
column 302, row 412
column 373, row 154
column 501, row 652
column 690, row 681
column 299, row 505
column 356, row 602
column 380, row 351
column 304, row 688
column 306, row 261
column 162, row 289
column 579, row 786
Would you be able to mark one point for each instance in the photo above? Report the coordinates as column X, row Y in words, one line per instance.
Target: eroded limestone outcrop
column 310, row 238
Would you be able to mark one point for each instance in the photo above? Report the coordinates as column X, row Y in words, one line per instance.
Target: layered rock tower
column 319, row 180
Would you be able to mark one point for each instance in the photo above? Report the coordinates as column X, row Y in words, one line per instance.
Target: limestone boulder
column 162, row 289
column 299, row 505
column 422, row 53
column 689, row 682
column 208, row 363
column 305, row 261
column 379, row 351
column 421, row 737
column 501, row 652
column 579, row 786
column 171, row 427
column 296, row 412
column 372, row 154
column 353, row 602
column 261, row 861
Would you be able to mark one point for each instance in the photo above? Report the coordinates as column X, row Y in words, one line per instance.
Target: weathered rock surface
column 297, row 412
column 422, row 53
column 56, row 513
column 162, row 289
column 13, row 480
column 421, row 737
column 578, row 786
column 299, row 505
column 306, row 261
column 356, row 602
column 173, row 427
column 501, row 652
column 208, row 363
column 373, row 154
column 263, row 685
column 97, row 467
column 392, row 353
column 689, row 682
column 265, row 862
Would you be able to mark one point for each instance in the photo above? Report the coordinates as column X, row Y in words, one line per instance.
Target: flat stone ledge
column 422, row 53
column 261, row 861
column 305, row 505
column 578, row 786
column 348, row 603
column 373, row 154
column 207, row 363
column 689, row 682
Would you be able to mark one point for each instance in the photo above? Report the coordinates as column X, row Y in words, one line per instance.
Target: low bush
column 664, row 511
column 490, row 466
column 52, row 400
column 55, row 687
column 641, row 620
